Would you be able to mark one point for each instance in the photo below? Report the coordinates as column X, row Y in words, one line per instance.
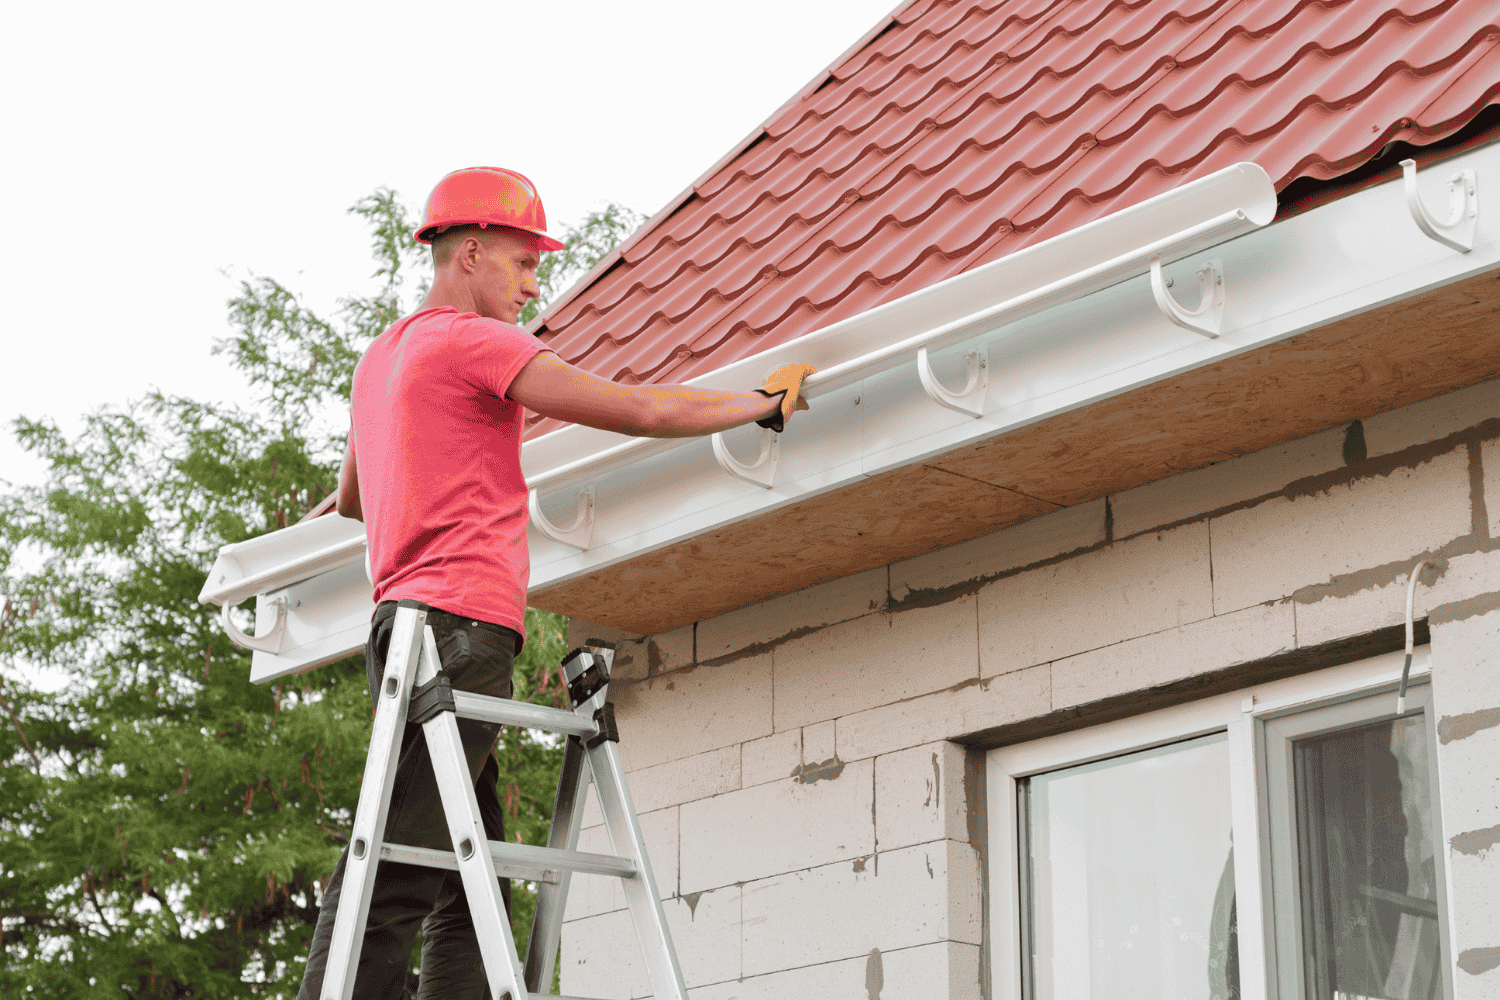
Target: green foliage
column 164, row 824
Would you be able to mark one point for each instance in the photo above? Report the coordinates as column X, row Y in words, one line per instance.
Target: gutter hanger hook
column 1207, row 317
column 268, row 643
column 968, row 400
column 1463, row 208
column 761, row 472
column 578, row 534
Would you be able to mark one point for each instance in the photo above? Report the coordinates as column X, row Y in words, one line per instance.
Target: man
column 433, row 469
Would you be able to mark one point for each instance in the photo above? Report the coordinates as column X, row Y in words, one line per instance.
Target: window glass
column 1128, row 888
column 1367, row 873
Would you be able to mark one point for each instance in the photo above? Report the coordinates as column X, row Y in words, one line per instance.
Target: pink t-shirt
column 438, row 450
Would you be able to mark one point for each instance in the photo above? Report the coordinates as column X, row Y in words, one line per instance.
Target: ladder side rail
column 374, row 803
column 641, row 894
column 497, row 947
column 551, row 900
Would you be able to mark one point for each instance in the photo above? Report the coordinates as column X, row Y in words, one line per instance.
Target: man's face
column 505, row 279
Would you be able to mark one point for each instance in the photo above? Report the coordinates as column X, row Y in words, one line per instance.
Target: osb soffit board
column 1424, row 346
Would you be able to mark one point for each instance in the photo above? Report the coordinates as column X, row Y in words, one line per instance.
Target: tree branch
column 24, row 741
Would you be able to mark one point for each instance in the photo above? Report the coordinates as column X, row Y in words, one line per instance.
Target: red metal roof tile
column 963, row 130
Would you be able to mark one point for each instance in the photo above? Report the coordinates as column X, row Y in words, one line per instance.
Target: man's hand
column 550, row 386
column 785, row 383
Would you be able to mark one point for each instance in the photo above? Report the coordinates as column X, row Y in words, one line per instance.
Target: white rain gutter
column 1101, row 253
column 1079, row 318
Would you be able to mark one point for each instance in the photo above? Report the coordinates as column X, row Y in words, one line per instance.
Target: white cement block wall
column 819, row 835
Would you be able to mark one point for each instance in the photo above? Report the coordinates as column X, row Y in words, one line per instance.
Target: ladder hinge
column 432, row 698
column 587, row 684
column 605, row 717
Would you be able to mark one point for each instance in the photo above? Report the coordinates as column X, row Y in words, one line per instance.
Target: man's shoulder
column 482, row 328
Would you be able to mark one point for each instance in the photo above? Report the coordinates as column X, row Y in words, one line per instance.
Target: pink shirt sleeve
column 490, row 354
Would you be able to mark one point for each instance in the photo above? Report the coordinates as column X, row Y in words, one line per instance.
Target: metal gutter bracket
column 1207, row 317
column 1463, row 208
column 762, row 472
column 578, row 534
column 969, row 400
column 268, row 643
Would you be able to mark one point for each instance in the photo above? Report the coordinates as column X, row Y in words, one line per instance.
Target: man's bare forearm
column 687, row 411
column 554, row 388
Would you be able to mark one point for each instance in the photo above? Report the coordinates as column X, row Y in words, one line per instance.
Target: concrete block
column 943, row 971
column 1475, row 879
column 580, row 631
column 949, row 714
column 825, row 914
column 1137, row 664
column 706, row 930
column 590, row 895
column 1465, row 655
column 1271, row 550
column 874, row 660
column 660, row 831
column 770, row 758
column 920, row 796
column 1431, row 419
column 647, row 656
column 601, row 958
column 696, row 777
column 817, row 744
column 969, row 563
column 1203, row 490
column 686, row 712
column 592, row 816
column 1466, row 703
column 814, row 607
column 777, row 827
column 948, row 970
column 1137, row 587
column 831, row 981
column 1489, row 458
column 1470, row 776
column 1326, row 613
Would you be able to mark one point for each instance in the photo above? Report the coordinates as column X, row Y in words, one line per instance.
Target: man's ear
column 469, row 252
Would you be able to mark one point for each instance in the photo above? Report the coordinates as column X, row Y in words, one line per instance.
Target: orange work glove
column 785, row 381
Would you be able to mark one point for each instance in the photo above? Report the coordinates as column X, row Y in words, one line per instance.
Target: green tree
column 164, row 824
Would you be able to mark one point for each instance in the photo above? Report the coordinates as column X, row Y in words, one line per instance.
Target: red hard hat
column 485, row 196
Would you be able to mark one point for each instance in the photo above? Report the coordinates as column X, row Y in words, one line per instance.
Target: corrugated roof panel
column 964, row 130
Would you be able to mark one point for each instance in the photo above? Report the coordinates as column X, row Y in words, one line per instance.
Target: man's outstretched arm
column 553, row 388
column 349, row 505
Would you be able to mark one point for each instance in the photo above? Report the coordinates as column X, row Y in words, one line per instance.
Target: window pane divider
column 1252, row 859
column 1004, row 939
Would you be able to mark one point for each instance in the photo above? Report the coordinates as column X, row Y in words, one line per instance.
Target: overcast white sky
column 156, row 152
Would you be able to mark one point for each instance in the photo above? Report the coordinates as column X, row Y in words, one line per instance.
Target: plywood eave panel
column 1427, row 344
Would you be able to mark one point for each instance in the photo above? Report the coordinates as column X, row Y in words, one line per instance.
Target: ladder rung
column 557, row 857
column 523, row 861
column 524, row 714
column 429, row 858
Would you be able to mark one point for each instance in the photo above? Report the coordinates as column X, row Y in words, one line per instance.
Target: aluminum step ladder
column 412, row 689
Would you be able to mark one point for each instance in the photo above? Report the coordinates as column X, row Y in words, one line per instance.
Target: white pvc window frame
column 1243, row 716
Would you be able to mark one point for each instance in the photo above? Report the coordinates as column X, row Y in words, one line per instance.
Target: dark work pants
column 477, row 657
